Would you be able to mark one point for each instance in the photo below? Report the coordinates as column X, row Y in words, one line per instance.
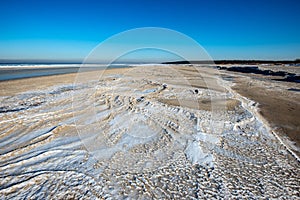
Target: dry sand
column 277, row 103
column 13, row 87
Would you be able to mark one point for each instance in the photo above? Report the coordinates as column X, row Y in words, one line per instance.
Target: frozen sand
column 147, row 144
column 278, row 101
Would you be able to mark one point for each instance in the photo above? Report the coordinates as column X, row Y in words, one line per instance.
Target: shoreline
column 21, row 85
column 20, row 72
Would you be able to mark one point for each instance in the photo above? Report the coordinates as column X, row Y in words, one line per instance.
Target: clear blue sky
column 256, row 29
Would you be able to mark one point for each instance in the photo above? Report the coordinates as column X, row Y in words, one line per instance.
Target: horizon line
column 78, row 61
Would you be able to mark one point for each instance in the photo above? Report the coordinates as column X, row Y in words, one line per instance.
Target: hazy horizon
column 54, row 61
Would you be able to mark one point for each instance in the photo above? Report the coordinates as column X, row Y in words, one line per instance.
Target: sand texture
column 148, row 132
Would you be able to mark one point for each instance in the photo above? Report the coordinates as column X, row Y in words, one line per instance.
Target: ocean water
column 10, row 72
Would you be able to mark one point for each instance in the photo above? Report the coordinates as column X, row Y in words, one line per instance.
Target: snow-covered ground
column 123, row 136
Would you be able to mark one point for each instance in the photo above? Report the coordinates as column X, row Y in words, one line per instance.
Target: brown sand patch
column 200, row 77
column 280, row 107
column 204, row 104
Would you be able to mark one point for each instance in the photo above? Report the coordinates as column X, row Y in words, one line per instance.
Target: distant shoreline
column 12, row 71
column 223, row 61
column 276, row 62
column 30, row 72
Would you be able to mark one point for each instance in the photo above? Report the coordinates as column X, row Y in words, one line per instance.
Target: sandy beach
column 277, row 101
column 150, row 132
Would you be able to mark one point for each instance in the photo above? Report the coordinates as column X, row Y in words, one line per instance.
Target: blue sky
column 230, row 29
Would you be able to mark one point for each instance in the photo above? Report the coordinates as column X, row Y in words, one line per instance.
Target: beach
column 150, row 132
column 277, row 101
